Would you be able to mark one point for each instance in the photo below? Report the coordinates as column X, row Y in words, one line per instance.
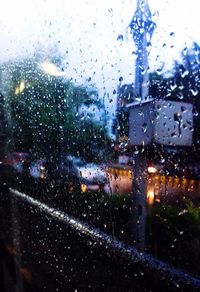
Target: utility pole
column 142, row 28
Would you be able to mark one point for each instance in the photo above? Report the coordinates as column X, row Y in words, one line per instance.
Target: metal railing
column 155, row 273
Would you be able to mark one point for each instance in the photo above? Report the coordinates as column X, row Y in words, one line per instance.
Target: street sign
column 163, row 122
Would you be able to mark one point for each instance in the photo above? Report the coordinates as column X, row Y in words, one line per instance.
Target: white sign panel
column 162, row 121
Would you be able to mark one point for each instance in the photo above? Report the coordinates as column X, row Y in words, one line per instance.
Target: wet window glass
column 99, row 145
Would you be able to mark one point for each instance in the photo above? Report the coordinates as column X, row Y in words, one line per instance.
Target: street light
column 20, row 88
column 51, row 69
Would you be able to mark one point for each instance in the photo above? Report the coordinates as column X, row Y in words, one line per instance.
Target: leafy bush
column 175, row 234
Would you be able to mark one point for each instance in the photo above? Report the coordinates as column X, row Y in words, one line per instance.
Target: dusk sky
column 86, row 32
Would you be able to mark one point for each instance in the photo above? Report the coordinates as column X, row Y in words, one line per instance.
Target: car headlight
column 152, row 169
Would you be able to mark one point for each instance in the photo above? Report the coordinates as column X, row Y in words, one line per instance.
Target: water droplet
column 178, row 118
column 159, row 71
column 185, row 73
column 182, row 212
column 173, row 86
column 183, row 109
column 120, row 38
column 144, row 127
column 180, row 96
column 140, row 113
column 194, row 92
column 136, row 151
column 134, row 53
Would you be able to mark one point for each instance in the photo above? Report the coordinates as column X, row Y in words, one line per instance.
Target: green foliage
column 193, row 212
column 178, row 219
column 45, row 112
column 175, row 234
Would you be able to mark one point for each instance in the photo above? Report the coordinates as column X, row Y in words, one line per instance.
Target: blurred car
column 92, row 176
column 59, row 174
column 12, row 168
column 17, row 160
column 70, row 173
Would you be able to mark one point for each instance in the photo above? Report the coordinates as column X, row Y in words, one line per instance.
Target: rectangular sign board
column 161, row 121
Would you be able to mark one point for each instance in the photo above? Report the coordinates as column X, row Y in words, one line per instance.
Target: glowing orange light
column 83, row 188
column 150, row 196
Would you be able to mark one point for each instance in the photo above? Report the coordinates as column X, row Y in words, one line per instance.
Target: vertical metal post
column 16, row 242
column 139, row 190
column 142, row 28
